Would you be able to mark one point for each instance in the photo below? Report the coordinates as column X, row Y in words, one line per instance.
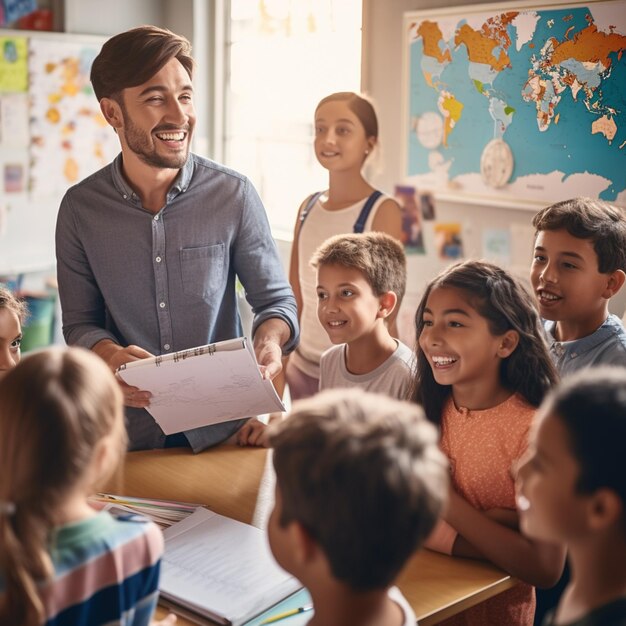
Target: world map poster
column 516, row 104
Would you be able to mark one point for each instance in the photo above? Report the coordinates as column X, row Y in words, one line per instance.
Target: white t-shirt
column 409, row 616
column 319, row 225
column 393, row 377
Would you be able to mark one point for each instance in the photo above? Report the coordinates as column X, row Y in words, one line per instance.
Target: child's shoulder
column 404, row 353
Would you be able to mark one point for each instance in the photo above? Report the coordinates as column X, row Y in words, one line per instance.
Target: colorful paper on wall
column 13, row 64
column 14, row 9
column 449, row 241
column 412, row 232
column 497, row 246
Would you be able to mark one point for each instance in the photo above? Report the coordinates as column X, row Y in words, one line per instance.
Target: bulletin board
column 516, row 104
column 52, row 135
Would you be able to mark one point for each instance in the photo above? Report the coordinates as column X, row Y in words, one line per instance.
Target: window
column 283, row 56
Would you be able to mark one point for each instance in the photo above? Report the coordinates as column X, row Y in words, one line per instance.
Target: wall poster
column 517, row 104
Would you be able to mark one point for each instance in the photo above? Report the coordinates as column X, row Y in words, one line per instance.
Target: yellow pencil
column 276, row 618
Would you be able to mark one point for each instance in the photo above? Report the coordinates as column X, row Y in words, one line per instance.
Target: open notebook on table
column 204, row 385
column 221, row 569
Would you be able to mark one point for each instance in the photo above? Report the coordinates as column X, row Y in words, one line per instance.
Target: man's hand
column 252, row 433
column 269, row 338
column 115, row 355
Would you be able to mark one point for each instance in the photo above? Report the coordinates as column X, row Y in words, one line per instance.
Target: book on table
column 220, row 569
column 204, row 385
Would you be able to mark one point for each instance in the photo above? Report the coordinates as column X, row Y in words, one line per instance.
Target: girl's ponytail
column 24, row 560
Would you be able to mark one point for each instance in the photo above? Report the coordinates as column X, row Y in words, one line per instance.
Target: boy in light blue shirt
column 578, row 266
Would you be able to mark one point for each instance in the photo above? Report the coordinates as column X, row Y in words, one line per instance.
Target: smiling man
column 149, row 247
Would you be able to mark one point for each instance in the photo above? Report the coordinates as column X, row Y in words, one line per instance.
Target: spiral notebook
column 204, row 385
column 220, row 569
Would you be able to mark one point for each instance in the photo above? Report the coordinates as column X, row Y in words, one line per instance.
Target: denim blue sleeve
column 258, row 265
column 82, row 304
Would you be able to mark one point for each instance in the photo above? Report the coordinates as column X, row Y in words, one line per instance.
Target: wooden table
column 238, row 482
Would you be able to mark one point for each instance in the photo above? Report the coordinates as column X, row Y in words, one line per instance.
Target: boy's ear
column 112, row 112
column 304, row 546
column 508, row 343
column 387, row 301
column 614, row 283
column 605, row 509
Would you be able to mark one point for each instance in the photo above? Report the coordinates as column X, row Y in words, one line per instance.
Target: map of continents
column 551, row 83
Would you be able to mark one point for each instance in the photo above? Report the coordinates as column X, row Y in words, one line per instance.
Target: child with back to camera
column 360, row 482
column 482, row 370
column 572, row 490
column 12, row 315
column 61, row 562
column 346, row 133
column 578, row 266
column 360, row 282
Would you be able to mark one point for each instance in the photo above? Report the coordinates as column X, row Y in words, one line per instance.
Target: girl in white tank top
column 346, row 132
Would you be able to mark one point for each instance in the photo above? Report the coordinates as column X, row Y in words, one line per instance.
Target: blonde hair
column 56, row 406
column 9, row 301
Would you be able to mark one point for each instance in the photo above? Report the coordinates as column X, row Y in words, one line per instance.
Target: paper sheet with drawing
column 221, row 569
column 204, row 385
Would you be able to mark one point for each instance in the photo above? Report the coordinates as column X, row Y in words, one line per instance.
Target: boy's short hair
column 592, row 405
column 600, row 222
column 363, row 474
column 380, row 257
column 133, row 57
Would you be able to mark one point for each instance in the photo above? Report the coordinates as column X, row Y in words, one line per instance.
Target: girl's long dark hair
column 506, row 305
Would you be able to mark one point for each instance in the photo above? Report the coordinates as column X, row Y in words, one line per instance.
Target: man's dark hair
column 134, row 56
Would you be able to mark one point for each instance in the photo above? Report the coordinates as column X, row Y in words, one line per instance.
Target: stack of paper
column 164, row 513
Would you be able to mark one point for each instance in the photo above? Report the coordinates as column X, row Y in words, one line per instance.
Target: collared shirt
column 166, row 281
column 605, row 346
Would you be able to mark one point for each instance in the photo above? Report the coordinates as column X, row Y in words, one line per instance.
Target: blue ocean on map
column 567, row 144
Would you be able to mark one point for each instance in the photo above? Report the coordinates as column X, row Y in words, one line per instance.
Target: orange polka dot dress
column 482, row 447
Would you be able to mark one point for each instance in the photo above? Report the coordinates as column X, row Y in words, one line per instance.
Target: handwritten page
column 221, row 569
column 204, row 385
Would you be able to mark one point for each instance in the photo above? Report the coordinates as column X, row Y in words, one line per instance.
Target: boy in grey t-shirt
column 361, row 279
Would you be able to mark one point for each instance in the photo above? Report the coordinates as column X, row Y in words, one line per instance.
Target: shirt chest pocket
column 202, row 270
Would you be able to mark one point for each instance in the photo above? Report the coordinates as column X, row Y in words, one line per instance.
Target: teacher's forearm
column 273, row 330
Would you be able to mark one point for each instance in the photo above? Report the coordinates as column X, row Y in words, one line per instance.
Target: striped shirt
column 106, row 571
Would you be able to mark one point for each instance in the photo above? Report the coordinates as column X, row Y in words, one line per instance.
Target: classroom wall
column 382, row 80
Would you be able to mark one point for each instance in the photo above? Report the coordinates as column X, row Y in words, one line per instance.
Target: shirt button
column 166, row 346
column 125, row 196
column 162, row 305
column 158, row 259
column 156, row 218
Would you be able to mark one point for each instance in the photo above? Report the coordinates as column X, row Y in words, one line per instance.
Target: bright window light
column 283, row 57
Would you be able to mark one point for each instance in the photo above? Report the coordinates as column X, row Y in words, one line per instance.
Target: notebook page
column 209, row 388
column 221, row 567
